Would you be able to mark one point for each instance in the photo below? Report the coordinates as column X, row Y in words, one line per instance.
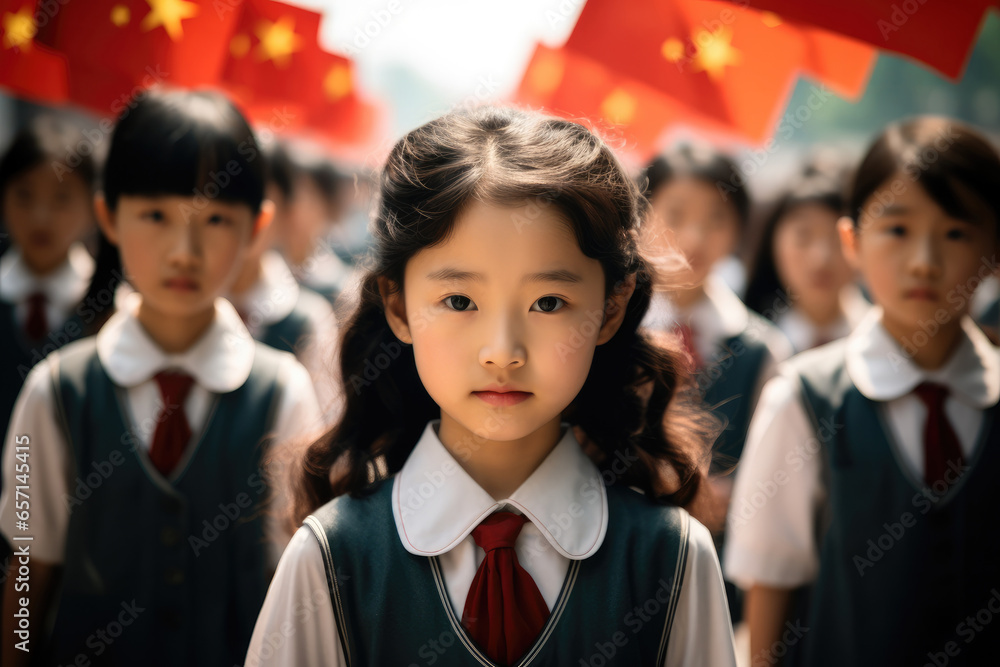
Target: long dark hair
column 635, row 394
column 949, row 159
column 812, row 186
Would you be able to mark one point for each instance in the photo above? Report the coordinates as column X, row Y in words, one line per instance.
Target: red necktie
column 686, row 332
column 504, row 611
column 940, row 442
column 37, row 324
column 172, row 430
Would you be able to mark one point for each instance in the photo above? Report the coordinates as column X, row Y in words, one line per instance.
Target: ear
column 263, row 219
column 614, row 309
column 848, row 240
column 105, row 218
column 395, row 310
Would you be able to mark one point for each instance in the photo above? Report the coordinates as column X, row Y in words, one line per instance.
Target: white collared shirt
column 220, row 362
column 63, row 288
column 773, row 543
column 718, row 316
column 435, row 507
column 271, row 299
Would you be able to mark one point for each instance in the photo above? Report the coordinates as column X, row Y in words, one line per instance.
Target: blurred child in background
column 799, row 278
column 871, row 465
column 147, row 442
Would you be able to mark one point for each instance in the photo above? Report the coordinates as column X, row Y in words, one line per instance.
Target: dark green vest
column 728, row 383
column 18, row 355
column 174, row 571
column 901, row 568
column 393, row 609
column 287, row 334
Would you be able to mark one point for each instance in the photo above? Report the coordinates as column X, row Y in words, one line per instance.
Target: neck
column 249, row 275
column 821, row 312
column 499, row 467
column 685, row 298
column 42, row 269
column 938, row 348
column 172, row 333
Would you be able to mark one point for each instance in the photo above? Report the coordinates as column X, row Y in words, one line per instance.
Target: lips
column 181, row 284
column 922, row 294
column 501, row 396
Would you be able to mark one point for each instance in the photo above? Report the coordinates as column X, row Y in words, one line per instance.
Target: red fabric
column 28, row 69
column 938, row 34
column 504, row 611
column 688, row 337
column 37, row 324
column 941, row 445
column 116, row 48
column 172, row 429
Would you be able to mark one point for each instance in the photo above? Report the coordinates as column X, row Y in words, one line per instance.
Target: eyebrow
column 555, row 276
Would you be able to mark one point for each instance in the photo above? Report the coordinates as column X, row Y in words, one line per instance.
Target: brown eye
column 550, row 304
column 458, row 302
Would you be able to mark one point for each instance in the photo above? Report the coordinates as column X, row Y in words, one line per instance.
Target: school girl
column 45, row 270
column 871, row 466
column 144, row 444
column 799, row 278
column 502, row 313
column 700, row 207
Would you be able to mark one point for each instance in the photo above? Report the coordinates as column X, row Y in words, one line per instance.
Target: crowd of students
column 532, row 421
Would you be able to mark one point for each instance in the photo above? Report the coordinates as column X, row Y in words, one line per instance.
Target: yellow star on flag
column 120, row 15
column 618, row 107
column 672, row 49
column 278, row 41
column 239, row 45
column 546, row 74
column 337, row 82
column 770, row 19
column 169, row 14
column 19, row 29
column 715, row 52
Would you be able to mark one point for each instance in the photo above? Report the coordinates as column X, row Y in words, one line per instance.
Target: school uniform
column 287, row 316
column 832, row 495
column 188, row 552
column 61, row 292
column 738, row 349
column 804, row 334
column 326, row 273
column 383, row 580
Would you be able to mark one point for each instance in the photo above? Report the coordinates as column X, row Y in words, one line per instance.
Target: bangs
column 188, row 145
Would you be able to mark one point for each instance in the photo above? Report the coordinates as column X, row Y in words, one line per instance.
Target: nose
column 186, row 244
column 504, row 347
column 925, row 260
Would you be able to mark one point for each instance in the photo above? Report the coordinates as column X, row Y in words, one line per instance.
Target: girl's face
column 178, row 256
column 808, row 256
column 690, row 216
column 920, row 264
column 507, row 302
column 46, row 214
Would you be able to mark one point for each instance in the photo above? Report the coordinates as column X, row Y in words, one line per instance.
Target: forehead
column 687, row 190
column 505, row 243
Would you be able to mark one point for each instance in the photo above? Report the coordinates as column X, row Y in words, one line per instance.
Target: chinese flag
column 337, row 110
column 117, row 47
column 938, row 34
column 28, row 69
column 273, row 60
column 621, row 110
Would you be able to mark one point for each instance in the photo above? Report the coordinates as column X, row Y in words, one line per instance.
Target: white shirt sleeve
column 702, row 633
column 296, row 625
column 771, row 525
column 49, row 469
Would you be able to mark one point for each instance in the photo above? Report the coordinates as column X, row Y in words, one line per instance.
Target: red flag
column 938, row 34
column 28, row 69
column 117, row 47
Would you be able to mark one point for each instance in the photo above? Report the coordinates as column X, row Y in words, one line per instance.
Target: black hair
column 949, row 159
column 705, row 164
column 812, row 186
column 187, row 143
column 634, row 395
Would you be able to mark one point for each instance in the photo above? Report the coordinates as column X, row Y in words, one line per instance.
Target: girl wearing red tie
column 452, row 516
column 145, row 444
column 877, row 456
